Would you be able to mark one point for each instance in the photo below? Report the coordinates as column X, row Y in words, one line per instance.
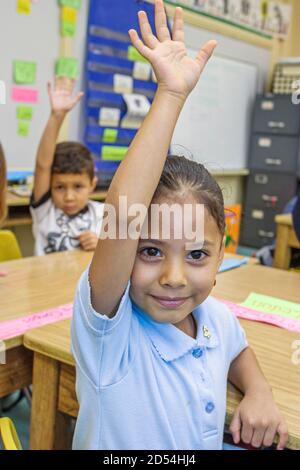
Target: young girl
column 3, row 209
column 153, row 350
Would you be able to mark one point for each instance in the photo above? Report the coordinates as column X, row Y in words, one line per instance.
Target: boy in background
column 63, row 216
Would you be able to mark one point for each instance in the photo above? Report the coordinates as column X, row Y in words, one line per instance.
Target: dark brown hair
column 3, row 207
column 180, row 174
column 73, row 157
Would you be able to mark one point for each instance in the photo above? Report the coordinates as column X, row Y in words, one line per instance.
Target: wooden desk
column 286, row 239
column 54, row 395
column 33, row 285
column 18, row 208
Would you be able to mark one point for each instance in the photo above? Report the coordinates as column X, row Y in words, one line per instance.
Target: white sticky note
column 109, row 117
column 123, row 83
column 137, row 109
column 2, row 92
column 141, row 71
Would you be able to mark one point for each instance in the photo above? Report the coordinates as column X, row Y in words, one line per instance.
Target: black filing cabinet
column 274, row 162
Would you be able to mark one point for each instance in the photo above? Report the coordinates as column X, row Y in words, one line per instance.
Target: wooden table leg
column 44, row 415
column 16, row 373
column 283, row 251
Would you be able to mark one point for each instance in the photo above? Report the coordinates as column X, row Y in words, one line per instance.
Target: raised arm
column 62, row 102
column 138, row 175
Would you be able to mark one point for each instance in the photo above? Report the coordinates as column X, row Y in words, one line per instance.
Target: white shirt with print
column 56, row 231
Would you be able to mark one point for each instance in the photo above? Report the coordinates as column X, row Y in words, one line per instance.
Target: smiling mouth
column 170, row 302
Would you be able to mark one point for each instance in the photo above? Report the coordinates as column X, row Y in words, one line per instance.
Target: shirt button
column 197, row 353
column 209, row 407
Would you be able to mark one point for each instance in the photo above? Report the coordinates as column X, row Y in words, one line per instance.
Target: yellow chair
column 9, row 246
column 9, row 435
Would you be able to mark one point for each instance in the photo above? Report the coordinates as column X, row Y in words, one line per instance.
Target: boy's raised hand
column 61, row 95
column 176, row 73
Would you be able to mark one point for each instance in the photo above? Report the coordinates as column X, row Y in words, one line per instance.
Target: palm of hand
column 61, row 100
column 174, row 70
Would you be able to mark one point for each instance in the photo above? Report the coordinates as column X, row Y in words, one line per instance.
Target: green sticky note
column 23, row 128
column 110, row 135
column 67, row 67
column 70, row 3
column 24, row 112
column 267, row 304
column 135, row 56
column 24, row 72
column 113, row 152
column 68, row 29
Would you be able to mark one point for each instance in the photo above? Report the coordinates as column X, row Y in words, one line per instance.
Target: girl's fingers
column 235, row 427
column 205, row 53
column 247, row 433
column 178, row 32
column 258, row 437
column 269, row 436
column 162, row 30
column 148, row 37
column 78, row 97
column 283, row 436
column 138, row 44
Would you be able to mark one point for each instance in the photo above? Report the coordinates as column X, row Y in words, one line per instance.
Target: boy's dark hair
column 180, row 174
column 73, row 157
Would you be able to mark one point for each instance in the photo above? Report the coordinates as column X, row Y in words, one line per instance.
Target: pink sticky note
column 263, row 317
column 24, row 95
column 12, row 328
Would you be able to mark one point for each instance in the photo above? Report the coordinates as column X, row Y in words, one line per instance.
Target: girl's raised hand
column 61, row 95
column 176, row 73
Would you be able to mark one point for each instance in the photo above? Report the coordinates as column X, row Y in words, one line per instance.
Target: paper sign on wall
column 23, row 129
column 67, row 67
column 24, row 72
column 24, row 7
column 24, row 113
column 70, row 3
column 24, row 95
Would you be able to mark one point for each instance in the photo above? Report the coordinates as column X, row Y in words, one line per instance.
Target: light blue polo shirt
column 147, row 385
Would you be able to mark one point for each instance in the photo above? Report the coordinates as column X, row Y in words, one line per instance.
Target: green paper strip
column 24, row 112
column 110, row 136
column 70, row 3
column 135, row 56
column 24, row 72
column 23, row 129
column 68, row 29
column 267, row 304
column 113, row 153
column 67, row 67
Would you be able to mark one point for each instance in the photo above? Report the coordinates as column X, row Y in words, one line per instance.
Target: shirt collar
column 170, row 342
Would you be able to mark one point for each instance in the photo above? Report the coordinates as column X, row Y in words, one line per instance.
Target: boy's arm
column 138, row 175
column 257, row 419
column 62, row 102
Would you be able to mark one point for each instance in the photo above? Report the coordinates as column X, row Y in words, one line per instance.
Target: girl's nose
column 173, row 275
column 69, row 195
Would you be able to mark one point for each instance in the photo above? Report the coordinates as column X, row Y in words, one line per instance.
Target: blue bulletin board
column 113, row 68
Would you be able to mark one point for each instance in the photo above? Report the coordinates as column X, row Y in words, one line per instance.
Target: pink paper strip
column 12, row 328
column 270, row 318
column 24, row 95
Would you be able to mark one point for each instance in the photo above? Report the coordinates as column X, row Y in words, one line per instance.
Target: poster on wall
column 266, row 16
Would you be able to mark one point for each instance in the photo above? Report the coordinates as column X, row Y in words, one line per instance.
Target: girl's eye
column 78, row 186
column 59, row 188
column 151, row 252
column 196, row 255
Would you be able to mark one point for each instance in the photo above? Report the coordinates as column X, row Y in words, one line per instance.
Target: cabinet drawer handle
column 276, row 124
column 263, row 233
column 272, row 199
column 273, row 161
